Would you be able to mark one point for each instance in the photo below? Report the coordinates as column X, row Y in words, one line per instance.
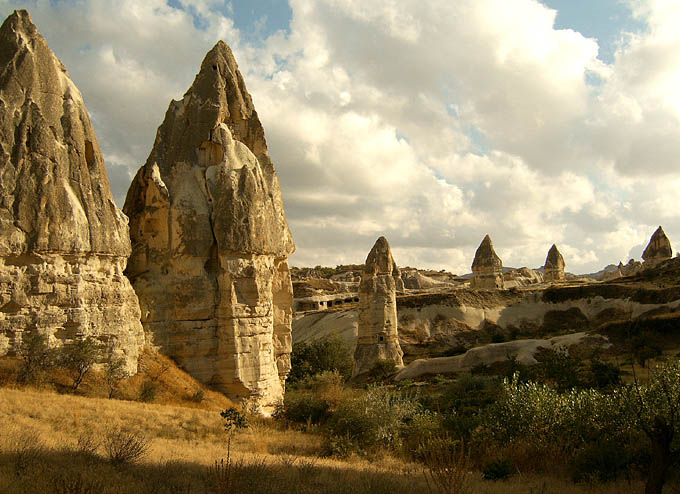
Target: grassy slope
column 45, row 426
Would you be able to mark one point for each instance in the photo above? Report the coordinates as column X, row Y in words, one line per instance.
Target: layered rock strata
column 658, row 249
column 487, row 267
column 553, row 270
column 378, row 338
column 64, row 244
column 210, row 240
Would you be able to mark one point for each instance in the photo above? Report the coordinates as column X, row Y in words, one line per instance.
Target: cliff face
column 64, row 243
column 210, row 240
column 377, row 328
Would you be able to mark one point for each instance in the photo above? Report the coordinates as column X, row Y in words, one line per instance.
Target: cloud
column 430, row 123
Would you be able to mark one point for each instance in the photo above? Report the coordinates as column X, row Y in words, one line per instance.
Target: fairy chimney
column 487, row 267
column 378, row 338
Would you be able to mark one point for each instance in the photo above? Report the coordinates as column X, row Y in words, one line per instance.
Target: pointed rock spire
column 658, row 249
column 487, row 267
column 553, row 270
column 56, row 209
column 378, row 338
column 210, row 239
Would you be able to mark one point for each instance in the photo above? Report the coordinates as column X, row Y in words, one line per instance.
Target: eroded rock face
column 487, row 267
column 377, row 328
column 210, row 240
column 553, row 270
column 658, row 249
column 64, row 244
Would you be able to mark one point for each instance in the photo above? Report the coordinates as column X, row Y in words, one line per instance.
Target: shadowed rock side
column 377, row 328
column 210, row 240
column 553, row 270
column 487, row 268
column 64, row 243
column 658, row 249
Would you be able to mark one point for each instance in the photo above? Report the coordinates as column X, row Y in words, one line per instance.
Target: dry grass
column 48, row 443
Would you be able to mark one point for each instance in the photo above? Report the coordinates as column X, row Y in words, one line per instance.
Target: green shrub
column 303, row 407
column 148, row 391
column 36, row 357
column 375, row 419
column 341, row 446
column 601, row 462
column 381, row 370
column 497, row 470
column 497, row 338
column 329, row 353
column 604, row 375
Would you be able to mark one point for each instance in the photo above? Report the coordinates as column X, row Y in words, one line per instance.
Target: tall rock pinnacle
column 487, row 267
column 658, row 249
column 64, row 243
column 553, row 270
column 210, row 240
column 378, row 338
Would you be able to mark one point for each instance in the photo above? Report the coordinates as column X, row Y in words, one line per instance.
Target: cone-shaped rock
column 377, row 332
column 658, row 249
column 487, row 267
column 63, row 242
column 210, row 240
column 553, row 270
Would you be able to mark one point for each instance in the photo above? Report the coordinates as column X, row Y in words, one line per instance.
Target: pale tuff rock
column 514, row 278
column 377, row 328
column 64, row 243
column 487, row 268
column 553, row 270
column 210, row 240
column 658, row 249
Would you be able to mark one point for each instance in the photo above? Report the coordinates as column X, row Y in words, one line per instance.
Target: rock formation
column 487, row 267
column 553, row 270
column 377, row 330
column 658, row 249
column 64, row 243
column 210, row 240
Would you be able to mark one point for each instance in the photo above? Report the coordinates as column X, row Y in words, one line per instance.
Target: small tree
column 114, row 373
column 233, row 421
column 79, row 357
column 36, row 357
column 329, row 353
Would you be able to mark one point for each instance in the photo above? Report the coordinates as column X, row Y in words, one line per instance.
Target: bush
column 447, row 465
column 497, row 338
column 198, row 396
column 125, row 446
column 604, row 375
column 329, row 353
column 381, row 370
column 497, row 470
column 601, row 462
column 36, row 357
column 148, row 391
column 303, row 407
column 376, row 419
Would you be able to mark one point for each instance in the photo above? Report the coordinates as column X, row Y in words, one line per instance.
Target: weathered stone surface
column 487, row 267
column 658, row 249
column 64, row 243
column 553, row 270
column 210, row 240
column 377, row 329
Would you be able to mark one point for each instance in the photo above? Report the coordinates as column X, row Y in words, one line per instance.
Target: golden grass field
column 39, row 452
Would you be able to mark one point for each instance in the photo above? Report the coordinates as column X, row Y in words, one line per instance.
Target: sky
column 430, row 122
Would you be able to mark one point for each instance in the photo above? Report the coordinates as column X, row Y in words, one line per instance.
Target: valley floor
column 51, row 442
